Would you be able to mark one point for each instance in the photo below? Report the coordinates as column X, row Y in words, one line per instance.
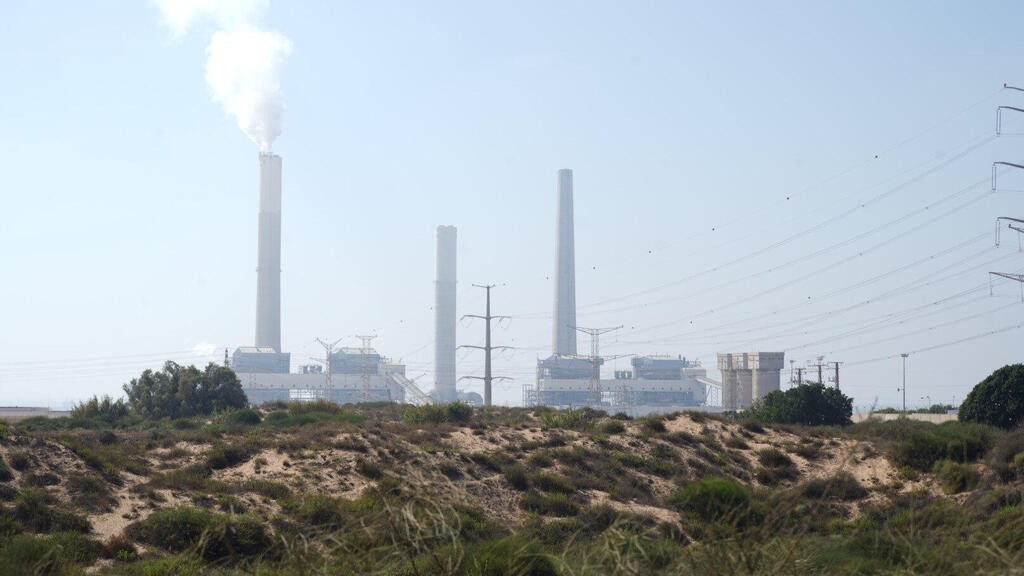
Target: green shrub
column 511, row 556
column 955, row 477
column 774, row 458
column 369, row 469
column 998, row 400
column 6, row 475
column 172, row 529
column 540, row 459
column 29, row 555
column 76, row 548
column 221, row 456
column 20, row 461
column 90, row 492
column 320, row 511
column 516, row 476
column 215, row 536
column 550, row 505
column 921, row 446
column 181, row 392
column 552, row 483
column 843, row 486
column 611, row 427
column 582, row 419
column 35, row 510
column 457, row 412
column 1007, row 456
column 106, row 409
column 119, row 547
column 653, row 425
column 808, row 404
column 713, row 499
column 244, row 417
column 268, row 488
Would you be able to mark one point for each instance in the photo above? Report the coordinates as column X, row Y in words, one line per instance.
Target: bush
column 998, row 400
column 5, row 471
column 713, row 499
column 106, row 409
column 368, row 469
column 320, row 511
column 35, row 510
column 119, row 547
column 922, row 446
column 458, row 412
column 20, row 461
column 808, row 404
column 29, row 555
column 268, row 488
column 516, row 476
column 215, row 535
column 611, row 427
column 227, row 455
column 582, row 419
column 955, row 477
column 76, row 548
column 774, row 458
column 511, row 555
column 1007, row 456
column 653, row 425
column 245, row 417
column 550, row 505
column 552, row 483
column 90, row 492
column 182, row 392
column 842, row 486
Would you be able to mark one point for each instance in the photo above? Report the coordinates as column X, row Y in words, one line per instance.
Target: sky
column 810, row 177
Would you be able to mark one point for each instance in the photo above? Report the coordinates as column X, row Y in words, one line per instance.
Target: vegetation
column 807, row 404
column 180, row 392
column 998, row 400
column 322, row 489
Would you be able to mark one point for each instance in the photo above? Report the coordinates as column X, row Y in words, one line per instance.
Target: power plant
column 656, row 383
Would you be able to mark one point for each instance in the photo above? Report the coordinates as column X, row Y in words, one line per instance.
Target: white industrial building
column 748, row 376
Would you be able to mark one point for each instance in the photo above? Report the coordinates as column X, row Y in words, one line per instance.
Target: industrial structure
column 347, row 374
column 748, row 376
column 444, row 315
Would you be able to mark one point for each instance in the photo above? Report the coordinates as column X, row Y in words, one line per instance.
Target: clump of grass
column 653, row 425
column 776, row 467
column 229, row 455
column 843, row 486
column 552, row 483
column 214, row 535
column 556, row 504
column 681, row 438
column 456, row 412
column 90, row 492
column 611, row 427
column 737, row 443
column 267, row 488
column 752, row 426
column 955, row 477
column 713, row 499
column 369, row 469
column 540, row 459
column 244, row 417
column 20, row 461
column 517, row 476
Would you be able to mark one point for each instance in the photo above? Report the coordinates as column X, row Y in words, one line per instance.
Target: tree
column 997, row 400
column 810, row 404
column 180, row 392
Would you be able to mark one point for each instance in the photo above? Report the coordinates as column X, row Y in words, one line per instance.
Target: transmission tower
column 994, row 169
column 594, row 390
column 488, row 378
column 365, row 353
column 227, row 363
column 820, row 365
column 835, row 377
column 1018, row 229
column 328, row 352
column 799, row 380
column 1017, row 277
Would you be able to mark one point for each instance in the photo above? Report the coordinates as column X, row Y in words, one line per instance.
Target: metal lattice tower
column 488, row 378
column 328, row 351
column 594, row 390
column 365, row 351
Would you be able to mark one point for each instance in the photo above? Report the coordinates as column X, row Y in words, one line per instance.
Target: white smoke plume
column 243, row 60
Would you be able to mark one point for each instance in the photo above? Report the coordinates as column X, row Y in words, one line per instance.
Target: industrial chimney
column 268, row 267
column 444, row 315
column 565, row 271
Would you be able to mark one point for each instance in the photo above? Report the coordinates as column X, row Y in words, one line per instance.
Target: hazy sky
column 728, row 194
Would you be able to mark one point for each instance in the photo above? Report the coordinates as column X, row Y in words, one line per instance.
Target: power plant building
column 748, row 376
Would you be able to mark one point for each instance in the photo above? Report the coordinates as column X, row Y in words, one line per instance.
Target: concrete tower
column 444, row 315
column 268, row 258
column 564, row 341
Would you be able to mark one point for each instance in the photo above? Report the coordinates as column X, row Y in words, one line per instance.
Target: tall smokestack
column 444, row 315
column 268, row 258
column 565, row 271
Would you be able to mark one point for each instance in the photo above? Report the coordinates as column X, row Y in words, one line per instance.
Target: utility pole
column 365, row 352
column 819, row 365
column 1017, row 277
column 328, row 351
column 227, row 364
column 487, row 348
column 594, row 393
column 800, row 376
column 904, row 389
column 835, row 366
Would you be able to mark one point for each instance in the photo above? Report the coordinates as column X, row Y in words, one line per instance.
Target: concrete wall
column 19, row 413
column 933, row 418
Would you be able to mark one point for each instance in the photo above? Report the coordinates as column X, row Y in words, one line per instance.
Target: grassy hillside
column 386, row 489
